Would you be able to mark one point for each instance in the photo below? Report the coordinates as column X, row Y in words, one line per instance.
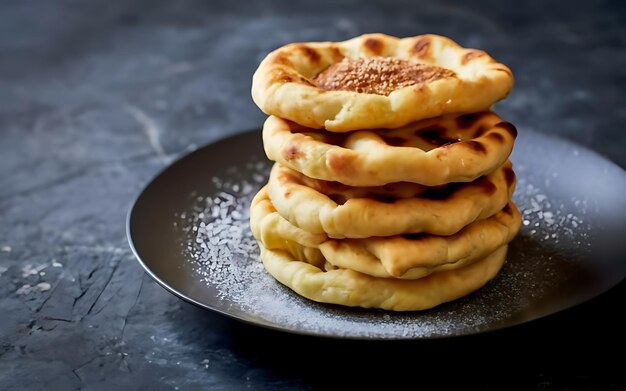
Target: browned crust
column 466, row 121
column 311, row 54
column 394, row 141
column 503, row 69
column 281, row 76
column 497, row 137
column 471, row 55
column 509, row 127
column 374, row 45
column 292, row 153
column 341, row 163
column 509, row 176
column 421, row 47
column 475, row 146
column 435, row 135
column 486, row 185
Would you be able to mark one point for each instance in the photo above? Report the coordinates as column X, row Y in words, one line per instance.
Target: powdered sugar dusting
column 549, row 220
column 221, row 245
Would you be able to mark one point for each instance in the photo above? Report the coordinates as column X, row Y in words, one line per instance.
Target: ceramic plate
column 189, row 230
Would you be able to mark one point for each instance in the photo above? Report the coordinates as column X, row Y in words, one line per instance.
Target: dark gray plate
column 189, row 230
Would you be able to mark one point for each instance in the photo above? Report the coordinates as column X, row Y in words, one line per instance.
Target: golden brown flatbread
column 440, row 212
column 402, row 256
column 377, row 81
column 350, row 288
column 274, row 232
column 451, row 148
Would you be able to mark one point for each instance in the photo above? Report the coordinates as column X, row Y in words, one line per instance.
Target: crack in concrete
column 108, row 281
column 125, row 319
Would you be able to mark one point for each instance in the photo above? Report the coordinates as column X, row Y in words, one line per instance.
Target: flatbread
column 439, row 213
column 415, row 256
column 274, row 232
column 403, row 256
column 377, row 81
column 351, row 288
column 451, row 148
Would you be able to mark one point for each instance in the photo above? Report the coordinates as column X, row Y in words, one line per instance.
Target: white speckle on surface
column 24, row 290
column 56, row 264
column 549, row 220
column 27, row 288
column 220, row 243
column 6, row 249
column 30, row 270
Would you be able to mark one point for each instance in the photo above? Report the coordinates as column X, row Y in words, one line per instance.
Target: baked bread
column 441, row 212
column 274, row 232
column 350, row 288
column 377, row 81
column 402, row 256
column 452, row 148
column 415, row 256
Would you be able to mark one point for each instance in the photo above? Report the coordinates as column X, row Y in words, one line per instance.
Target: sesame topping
column 377, row 75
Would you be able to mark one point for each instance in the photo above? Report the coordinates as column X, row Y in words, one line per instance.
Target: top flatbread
column 377, row 81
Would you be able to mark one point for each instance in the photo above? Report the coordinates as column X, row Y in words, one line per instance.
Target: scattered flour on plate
column 549, row 220
column 225, row 256
column 224, row 252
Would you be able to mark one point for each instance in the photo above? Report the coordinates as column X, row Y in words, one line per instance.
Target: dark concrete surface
column 97, row 96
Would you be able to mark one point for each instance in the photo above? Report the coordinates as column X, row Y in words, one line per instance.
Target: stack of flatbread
column 392, row 186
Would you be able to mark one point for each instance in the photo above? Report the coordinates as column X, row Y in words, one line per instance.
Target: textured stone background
column 97, row 96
